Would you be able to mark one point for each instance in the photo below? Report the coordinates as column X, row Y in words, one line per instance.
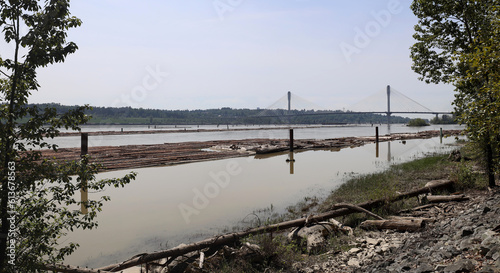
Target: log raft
column 139, row 156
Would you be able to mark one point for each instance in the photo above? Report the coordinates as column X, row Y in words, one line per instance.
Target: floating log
column 268, row 150
column 232, row 237
column 396, row 224
column 446, row 198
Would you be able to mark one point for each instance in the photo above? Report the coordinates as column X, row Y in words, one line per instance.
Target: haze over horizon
column 237, row 53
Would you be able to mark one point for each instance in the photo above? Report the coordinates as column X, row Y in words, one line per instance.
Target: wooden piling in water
column 84, row 144
column 291, row 140
column 84, row 152
column 376, row 134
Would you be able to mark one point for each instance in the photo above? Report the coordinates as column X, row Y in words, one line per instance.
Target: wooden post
column 85, row 144
column 376, row 134
column 291, row 140
column 441, row 135
column 83, row 190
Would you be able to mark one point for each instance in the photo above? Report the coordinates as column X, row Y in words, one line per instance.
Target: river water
column 234, row 132
column 166, row 206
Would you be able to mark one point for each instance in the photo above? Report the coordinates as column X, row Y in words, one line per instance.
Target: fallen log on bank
column 357, row 208
column 446, row 198
column 397, row 224
column 233, row 237
column 71, row 269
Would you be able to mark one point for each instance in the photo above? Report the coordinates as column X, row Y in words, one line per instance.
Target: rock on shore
column 462, row 237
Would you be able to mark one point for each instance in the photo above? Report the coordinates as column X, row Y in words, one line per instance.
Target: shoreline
column 186, row 130
column 155, row 155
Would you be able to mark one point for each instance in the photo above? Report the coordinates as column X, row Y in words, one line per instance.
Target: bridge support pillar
column 289, row 101
column 388, row 105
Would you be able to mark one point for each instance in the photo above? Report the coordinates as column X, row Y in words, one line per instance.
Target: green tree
column 450, row 38
column 418, row 122
column 445, row 119
column 478, row 99
column 37, row 204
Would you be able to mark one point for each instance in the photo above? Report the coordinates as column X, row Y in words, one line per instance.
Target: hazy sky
column 200, row 54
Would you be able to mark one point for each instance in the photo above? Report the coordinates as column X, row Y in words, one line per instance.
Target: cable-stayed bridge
column 388, row 102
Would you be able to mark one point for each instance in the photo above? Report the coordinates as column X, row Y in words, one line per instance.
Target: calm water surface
column 270, row 132
column 166, row 206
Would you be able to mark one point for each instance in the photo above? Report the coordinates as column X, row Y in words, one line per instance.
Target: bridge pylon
column 388, row 104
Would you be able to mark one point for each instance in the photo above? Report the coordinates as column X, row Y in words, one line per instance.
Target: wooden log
column 357, row 208
column 411, row 218
column 268, row 150
column 397, row 224
column 71, row 269
column 232, row 237
column 446, row 198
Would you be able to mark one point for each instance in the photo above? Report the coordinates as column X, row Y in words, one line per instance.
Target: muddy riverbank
column 139, row 156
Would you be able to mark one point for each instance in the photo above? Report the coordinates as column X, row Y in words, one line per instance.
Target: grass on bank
column 280, row 255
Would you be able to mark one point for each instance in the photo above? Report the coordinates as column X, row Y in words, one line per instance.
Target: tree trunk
column 489, row 164
column 7, row 153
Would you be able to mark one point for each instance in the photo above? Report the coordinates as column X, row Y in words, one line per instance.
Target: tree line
column 225, row 115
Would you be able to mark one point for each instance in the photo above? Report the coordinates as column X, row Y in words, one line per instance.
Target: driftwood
column 357, row 208
column 232, row 237
column 446, row 198
column 71, row 269
column 397, row 224
column 273, row 149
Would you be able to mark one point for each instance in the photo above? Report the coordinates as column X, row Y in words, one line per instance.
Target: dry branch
column 357, row 208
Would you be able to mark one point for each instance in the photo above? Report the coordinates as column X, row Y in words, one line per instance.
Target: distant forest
column 226, row 115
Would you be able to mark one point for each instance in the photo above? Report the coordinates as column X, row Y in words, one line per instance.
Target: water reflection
column 388, row 151
column 291, row 161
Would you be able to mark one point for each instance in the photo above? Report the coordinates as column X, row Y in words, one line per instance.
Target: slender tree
column 450, row 37
column 37, row 204
column 478, row 98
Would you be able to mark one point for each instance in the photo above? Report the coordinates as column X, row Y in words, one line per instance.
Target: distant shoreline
column 222, row 128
